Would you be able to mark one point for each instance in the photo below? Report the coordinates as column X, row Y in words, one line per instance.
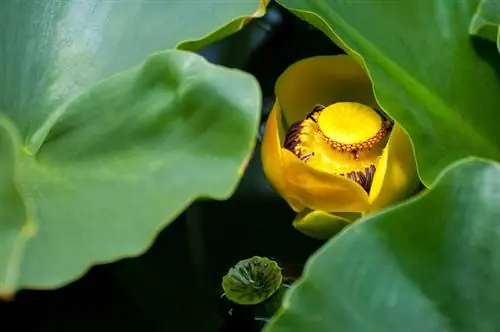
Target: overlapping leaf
column 431, row 264
column 97, row 157
column 429, row 75
column 127, row 156
column 50, row 51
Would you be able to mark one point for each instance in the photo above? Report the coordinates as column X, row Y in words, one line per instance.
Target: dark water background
column 176, row 284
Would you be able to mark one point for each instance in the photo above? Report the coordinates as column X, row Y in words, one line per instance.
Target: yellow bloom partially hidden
column 327, row 148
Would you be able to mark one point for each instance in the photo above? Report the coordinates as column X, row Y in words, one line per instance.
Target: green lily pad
column 252, row 281
column 123, row 160
column 429, row 75
column 430, row 264
column 486, row 21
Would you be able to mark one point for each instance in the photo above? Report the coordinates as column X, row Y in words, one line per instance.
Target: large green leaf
column 486, row 21
column 103, row 170
column 52, row 50
column 431, row 264
column 123, row 159
column 429, row 75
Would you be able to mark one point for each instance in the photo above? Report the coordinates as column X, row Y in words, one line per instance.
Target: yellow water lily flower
column 327, row 147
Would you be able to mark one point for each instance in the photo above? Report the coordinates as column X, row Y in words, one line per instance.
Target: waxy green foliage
column 103, row 144
column 430, row 264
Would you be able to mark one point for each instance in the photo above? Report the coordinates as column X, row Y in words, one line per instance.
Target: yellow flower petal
column 396, row 176
column 271, row 151
column 322, row 80
column 327, row 80
column 322, row 225
column 301, row 185
column 271, row 156
column 319, row 190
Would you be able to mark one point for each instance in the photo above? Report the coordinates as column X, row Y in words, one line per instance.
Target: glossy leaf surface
column 430, row 264
column 102, row 148
column 52, row 50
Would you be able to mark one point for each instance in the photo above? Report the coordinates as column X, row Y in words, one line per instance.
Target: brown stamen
column 293, row 136
column 298, row 135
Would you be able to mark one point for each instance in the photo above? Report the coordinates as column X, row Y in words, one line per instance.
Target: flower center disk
column 344, row 138
column 349, row 123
